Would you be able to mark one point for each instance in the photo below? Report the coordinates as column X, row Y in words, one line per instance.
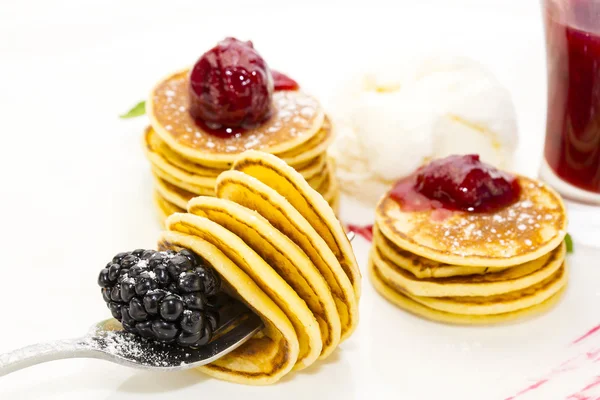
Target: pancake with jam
column 532, row 224
column 255, row 195
column 269, row 355
column 259, row 272
column 296, row 118
column 282, row 178
column 398, row 298
column 461, row 242
column 283, row 255
column 228, row 102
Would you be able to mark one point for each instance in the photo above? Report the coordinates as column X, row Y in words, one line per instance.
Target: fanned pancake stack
column 279, row 247
column 472, row 267
column 186, row 157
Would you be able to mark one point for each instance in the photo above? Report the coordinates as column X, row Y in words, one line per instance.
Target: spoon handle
column 44, row 352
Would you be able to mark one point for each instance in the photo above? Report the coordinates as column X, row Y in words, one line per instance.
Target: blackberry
column 166, row 296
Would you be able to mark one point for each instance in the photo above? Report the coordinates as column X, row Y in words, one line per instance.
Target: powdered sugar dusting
column 134, row 348
column 143, row 264
column 516, row 226
column 531, row 222
column 127, row 279
column 295, row 115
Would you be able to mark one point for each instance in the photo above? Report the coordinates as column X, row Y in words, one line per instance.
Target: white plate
column 551, row 356
column 75, row 189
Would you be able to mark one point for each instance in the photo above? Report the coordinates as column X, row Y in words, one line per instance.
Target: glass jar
column 572, row 147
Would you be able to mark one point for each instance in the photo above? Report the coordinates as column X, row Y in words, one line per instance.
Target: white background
column 75, row 188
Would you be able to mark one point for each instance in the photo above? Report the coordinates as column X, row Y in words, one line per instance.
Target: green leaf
column 569, row 243
column 137, row 110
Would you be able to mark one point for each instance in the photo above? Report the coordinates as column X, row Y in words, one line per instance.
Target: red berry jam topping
column 465, row 183
column 405, row 194
column 366, row 231
column 231, row 86
column 283, row 82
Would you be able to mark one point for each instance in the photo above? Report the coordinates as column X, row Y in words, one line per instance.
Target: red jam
column 573, row 119
column 457, row 183
column 280, row 81
column 366, row 231
column 405, row 193
column 231, row 86
column 283, row 82
column 219, row 130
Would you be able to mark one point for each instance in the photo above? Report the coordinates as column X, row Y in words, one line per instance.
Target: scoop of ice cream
column 391, row 120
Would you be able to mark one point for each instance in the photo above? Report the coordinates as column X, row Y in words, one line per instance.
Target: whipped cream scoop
column 390, row 120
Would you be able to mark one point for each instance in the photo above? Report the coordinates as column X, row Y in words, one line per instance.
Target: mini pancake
column 316, row 167
column 404, row 302
column 175, row 176
column 335, row 203
column 503, row 281
column 154, row 145
column 255, row 195
column 276, row 174
column 259, row 272
column 268, row 356
column 189, row 176
column 423, row 268
column 179, row 192
column 282, row 254
column 330, row 187
column 201, row 185
column 314, row 147
column 320, row 181
column 297, row 117
column 519, row 233
column 172, row 193
column 499, row 303
column 164, row 208
column 188, row 187
column 160, row 163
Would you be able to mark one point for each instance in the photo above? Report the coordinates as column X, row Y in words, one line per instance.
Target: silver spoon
column 108, row 341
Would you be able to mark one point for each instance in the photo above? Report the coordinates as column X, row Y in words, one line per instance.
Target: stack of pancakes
column 473, row 268
column 186, row 159
column 279, row 248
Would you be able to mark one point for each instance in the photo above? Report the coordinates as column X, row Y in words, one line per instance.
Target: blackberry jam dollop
column 231, row 86
column 167, row 296
column 466, row 183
